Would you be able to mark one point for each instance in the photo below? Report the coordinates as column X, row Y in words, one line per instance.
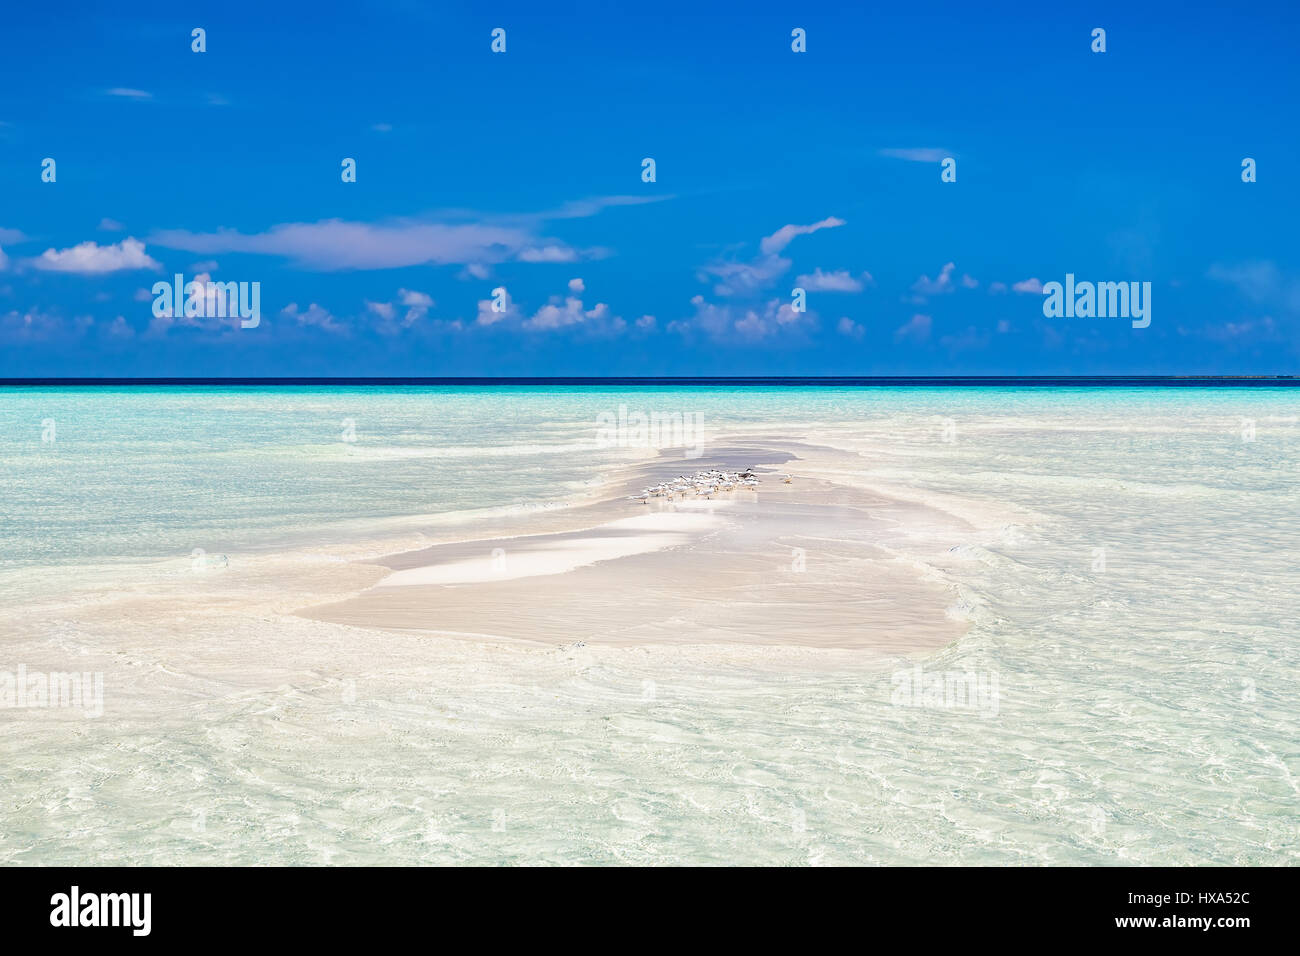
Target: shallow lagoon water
column 1138, row 610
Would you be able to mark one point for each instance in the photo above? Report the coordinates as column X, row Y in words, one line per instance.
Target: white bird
column 705, row 484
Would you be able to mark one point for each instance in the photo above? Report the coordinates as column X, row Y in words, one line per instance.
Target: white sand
column 539, row 555
column 813, row 564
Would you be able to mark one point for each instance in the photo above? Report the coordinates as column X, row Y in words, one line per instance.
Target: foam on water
column 1130, row 583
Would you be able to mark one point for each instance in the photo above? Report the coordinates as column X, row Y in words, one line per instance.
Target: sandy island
column 812, row 564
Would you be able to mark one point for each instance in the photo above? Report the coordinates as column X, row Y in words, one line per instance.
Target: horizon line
column 727, row 380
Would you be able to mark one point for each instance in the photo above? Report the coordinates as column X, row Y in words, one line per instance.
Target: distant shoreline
column 829, row 381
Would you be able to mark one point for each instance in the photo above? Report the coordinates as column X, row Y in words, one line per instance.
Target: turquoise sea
column 1139, row 610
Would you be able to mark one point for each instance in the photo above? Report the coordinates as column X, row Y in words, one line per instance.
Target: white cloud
column 721, row 321
column 417, row 305
column 332, row 244
column 110, row 225
column 925, row 286
column 745, row 278
column 549, row 253
column 335, row 244
column 923, row 154
column 915, row 329
column 219, row 309
column 486, row 315
column 750, row 278
column 577, row 286
column 90, row 258
column 1027, row 286
column 30, row 325
column 847, row 326
column 128, row 93
column 841, row 281
column 384, row 310
column 314, row 315
column 558, row 314
column 783, row 236
column 119, row 328
column 415, row 300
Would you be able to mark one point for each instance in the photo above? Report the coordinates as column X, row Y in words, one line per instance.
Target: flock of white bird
column 704, row 484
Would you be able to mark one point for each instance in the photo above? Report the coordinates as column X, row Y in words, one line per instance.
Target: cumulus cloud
column 384, row 310
column 750, row 278
column 847, row 326
column 915, row 329
column 558, row 315
column 417, row 305
column 487, row 316
column 745, row 278
column 942, row 284
column 725, row 321
column 30, row 325
column 1027, row 287
column 119, row 328
column 577, row 286
column 554, row 252
column 313, row 316
column 90, row 258
column 219, row 310
column 841, row 281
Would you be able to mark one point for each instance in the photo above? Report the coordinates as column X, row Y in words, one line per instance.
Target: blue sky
column 522, row 171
